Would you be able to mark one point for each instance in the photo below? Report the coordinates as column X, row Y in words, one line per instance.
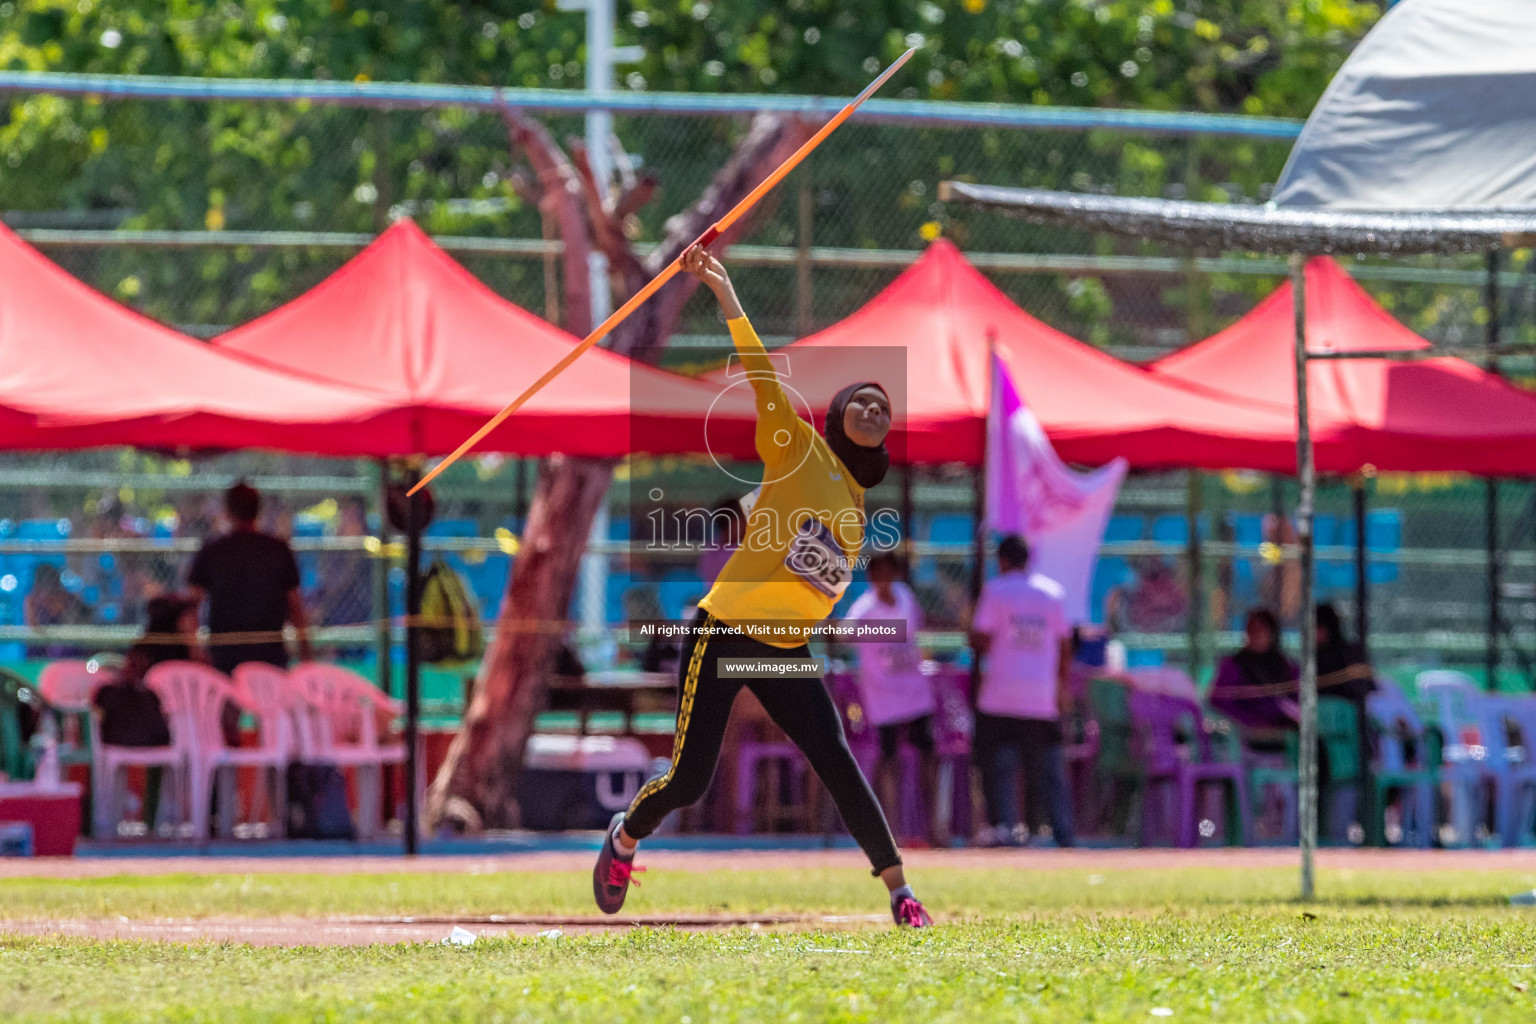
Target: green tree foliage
column 228, row 166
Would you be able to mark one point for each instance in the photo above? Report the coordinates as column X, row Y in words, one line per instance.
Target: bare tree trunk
column 477, row 785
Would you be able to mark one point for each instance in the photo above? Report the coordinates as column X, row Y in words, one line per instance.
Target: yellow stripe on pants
column 684, row 712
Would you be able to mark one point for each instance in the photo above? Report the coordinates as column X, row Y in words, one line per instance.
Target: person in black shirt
column 251, row 583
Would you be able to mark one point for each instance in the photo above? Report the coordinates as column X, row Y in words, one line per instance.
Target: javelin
column 720, row 226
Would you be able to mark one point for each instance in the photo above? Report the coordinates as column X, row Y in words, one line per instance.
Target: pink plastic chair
column 341, row 728
column 952, row 729
column 193, row 696
column 779, row 756
column 263, row 690
column 72, row 685
column 1157, row 720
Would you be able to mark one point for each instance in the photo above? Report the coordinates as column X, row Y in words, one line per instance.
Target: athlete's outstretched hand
column 702, row 264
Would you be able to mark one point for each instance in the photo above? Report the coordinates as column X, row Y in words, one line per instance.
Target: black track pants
column 800, row 706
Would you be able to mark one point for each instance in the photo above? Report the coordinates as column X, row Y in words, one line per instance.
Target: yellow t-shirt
column 805, row 524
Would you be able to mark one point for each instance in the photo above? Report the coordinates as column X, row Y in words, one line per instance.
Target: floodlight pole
column 1307, row 472
column 602, row 55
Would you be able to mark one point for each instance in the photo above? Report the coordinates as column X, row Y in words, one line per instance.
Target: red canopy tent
column 1428, row 415
column 78, row 370
column 1094, row 407
column 404, row 319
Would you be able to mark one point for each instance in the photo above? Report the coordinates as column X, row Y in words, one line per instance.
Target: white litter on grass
column 553, row 933
column 460, row 937
column 1095, row 879
column 1161, row 1011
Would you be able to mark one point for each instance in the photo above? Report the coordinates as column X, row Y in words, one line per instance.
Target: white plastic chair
column 72, row 685
column 263, row 690
column 70, row 688
column 1473, row 755
column 343, row 730
column 193, row 696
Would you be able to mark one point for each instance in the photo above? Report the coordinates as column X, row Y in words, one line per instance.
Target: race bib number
column 816, row 557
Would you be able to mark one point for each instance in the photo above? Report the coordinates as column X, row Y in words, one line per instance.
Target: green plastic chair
column 17, row 698
column 1338, row 732
column 1267, row 775
column 1121, row 776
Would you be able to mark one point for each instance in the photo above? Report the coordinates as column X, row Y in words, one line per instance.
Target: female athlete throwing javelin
column 805, row 524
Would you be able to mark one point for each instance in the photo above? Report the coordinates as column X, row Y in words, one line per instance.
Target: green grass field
column 1188, row 944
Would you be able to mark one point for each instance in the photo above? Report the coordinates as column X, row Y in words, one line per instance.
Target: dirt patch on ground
column 759, row 860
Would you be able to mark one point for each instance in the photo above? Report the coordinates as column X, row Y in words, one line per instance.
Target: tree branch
column 560, row 197
column 769, row 141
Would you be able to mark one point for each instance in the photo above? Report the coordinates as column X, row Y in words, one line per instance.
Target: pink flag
column 1061, row 512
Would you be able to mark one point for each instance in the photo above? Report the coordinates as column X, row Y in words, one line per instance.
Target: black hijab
column 868, row 465
column 1339, row 659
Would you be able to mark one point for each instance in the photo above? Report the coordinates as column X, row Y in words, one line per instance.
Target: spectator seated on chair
column 1343, row 670
column 131, row 714
column 1256, row 686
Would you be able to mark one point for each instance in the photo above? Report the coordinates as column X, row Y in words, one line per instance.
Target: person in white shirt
column 897, row 698
column 1020, row 626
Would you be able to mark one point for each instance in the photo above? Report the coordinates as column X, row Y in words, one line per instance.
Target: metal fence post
column 1492, row 655
column 1307, row 616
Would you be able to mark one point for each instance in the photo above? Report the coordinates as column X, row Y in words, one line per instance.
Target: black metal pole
column 1194, row 573
column 384, row 635
column 908, row 522
column 979, row 513
column 1362, row 583
column 1370, row 813
column 412, row 662
column 1491, row 497
column 979, row 541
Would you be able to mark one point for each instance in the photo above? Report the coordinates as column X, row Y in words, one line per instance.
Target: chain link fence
column 204, row 215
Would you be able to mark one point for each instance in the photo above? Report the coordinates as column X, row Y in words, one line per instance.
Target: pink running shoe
column 910, row 914
column 612, row 874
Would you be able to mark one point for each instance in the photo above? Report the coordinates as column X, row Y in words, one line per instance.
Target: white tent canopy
column 1435, row 110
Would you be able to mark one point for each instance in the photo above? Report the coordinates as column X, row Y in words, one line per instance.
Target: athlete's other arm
column 776, row 418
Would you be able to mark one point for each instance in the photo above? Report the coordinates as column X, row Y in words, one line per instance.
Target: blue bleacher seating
column 1247, row 530
column 951, row 530
column 1383, row 533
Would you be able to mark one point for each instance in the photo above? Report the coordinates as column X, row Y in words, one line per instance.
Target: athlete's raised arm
column 780, row 431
